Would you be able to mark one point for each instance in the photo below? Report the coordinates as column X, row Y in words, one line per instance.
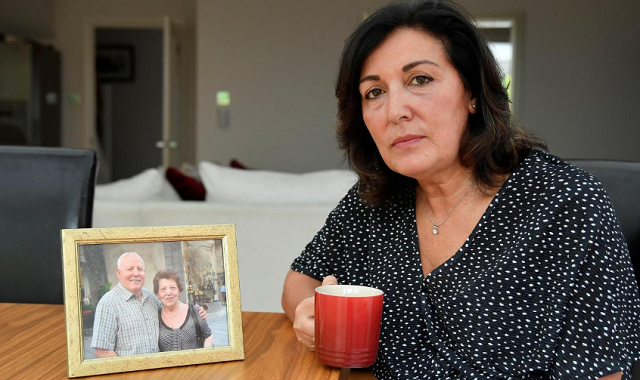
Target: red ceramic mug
column 347, row 325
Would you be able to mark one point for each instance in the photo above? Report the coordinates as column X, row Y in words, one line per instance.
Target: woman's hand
column 304, row 322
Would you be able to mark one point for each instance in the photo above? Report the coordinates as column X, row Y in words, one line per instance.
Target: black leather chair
column 621, row 179
column 42, row 190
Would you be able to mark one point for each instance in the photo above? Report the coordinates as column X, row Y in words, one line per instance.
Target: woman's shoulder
column 544, row 169
column 189, row 317
column 351, row 200
column 547, row 182
column 192, row 307
column 353, row 207
column 350, row 204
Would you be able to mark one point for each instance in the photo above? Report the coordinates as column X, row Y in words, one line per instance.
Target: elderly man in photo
column 126, row 319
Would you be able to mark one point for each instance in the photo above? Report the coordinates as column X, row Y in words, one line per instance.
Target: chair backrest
column 621, row 179
column 42, row 190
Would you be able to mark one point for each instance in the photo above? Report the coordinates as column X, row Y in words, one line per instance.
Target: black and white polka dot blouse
column 543, row 288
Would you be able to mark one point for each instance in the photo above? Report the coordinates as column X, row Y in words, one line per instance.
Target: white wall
column 279, row 59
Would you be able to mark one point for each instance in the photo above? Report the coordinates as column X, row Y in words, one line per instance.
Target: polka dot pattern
column 543, row 288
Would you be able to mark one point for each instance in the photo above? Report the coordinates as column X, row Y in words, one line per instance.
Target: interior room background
column 278, row 60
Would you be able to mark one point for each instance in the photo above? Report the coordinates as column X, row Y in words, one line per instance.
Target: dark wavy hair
column 166, row 275
column 493, row 144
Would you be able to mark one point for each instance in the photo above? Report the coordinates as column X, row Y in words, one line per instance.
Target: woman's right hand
column 304, row 322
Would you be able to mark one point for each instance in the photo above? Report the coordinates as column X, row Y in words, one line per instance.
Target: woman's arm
column 297, row 287
column 600, row 317
column 202, row 327
column 298, row 302
column 613, row 376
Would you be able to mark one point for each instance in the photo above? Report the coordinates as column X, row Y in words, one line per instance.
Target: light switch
column 223, row 105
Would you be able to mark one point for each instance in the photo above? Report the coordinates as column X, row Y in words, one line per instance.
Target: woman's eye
column 420, row 79
column 373, row 93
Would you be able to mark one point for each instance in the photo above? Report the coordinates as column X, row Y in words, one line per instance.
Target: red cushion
column 189, row 188
column 237, row 164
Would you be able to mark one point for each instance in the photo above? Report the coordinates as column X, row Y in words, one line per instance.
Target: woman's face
column 415, row 105
column 168, row 292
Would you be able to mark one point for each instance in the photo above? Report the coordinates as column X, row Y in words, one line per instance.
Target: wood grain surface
column 34, row 347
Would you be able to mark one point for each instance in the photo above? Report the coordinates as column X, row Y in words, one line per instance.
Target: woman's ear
column 472, row 105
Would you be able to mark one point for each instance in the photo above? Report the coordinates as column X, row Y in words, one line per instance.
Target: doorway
column 122, row 62
column 128, row 100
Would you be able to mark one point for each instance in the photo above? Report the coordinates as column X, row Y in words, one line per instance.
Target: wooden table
column 33, row 346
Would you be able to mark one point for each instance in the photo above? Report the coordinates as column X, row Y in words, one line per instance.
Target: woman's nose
column 398, row 109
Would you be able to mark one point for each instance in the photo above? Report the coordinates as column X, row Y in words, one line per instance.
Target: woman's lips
column 406, row 141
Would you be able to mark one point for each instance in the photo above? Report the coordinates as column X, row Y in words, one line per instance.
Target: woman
column 497, row 260
column 180, row 327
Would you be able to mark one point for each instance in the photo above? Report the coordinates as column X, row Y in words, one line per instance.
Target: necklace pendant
column 435, row 229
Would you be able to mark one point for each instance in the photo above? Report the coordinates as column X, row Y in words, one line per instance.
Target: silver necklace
column 436, row 225
column 171, row 316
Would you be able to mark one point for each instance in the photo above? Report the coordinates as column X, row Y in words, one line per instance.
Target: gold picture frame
column 89, row 254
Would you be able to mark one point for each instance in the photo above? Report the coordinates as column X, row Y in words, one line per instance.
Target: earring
column 473, row 106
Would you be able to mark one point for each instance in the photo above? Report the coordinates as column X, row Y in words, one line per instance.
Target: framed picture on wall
column 115, row 63
column 151, row 297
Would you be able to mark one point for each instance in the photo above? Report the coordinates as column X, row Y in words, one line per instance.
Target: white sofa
column 270, row 230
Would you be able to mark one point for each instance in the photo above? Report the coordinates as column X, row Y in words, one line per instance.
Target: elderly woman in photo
column 497, row 260
column 180, row 328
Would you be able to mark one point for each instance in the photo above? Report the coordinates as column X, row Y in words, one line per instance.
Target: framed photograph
column 151, row 297
column 115, row 63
